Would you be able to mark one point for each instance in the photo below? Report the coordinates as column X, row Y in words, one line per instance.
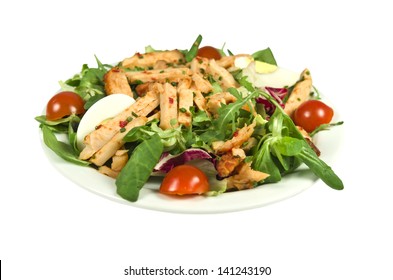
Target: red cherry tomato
column 209, row 52
column 185, row 179
column 64, row 104
column 312, row 114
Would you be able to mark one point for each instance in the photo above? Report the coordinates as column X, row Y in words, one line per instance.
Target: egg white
column 279, row 78
column 103, row 109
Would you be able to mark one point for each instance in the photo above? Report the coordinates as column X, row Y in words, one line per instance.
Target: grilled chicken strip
column 168, row 106
column 300, row 93
column 240, row 137
column 161, row 76
column 246, row 177
column 104, row 132
column 221, row 75
column 116, row 81
column 150, row 59
column 114, row 144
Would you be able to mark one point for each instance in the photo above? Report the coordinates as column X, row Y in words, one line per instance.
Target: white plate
column 327, row 141
column 150, row 198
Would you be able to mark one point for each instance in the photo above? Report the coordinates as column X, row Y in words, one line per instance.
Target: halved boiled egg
column 264, row 68
column 103, row 109
column 267, row 75
column 242, row 61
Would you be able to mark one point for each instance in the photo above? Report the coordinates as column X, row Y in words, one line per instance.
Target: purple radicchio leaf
column 278, row 94
column 168, row 161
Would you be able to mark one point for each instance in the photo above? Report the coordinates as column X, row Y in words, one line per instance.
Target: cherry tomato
column 312, row 114
column 64, row 104
column 209, row 52
column 184, row 179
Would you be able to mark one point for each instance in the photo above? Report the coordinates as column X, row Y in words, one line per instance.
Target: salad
column 205, row 120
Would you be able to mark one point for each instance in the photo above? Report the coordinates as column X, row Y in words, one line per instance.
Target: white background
column 50, row 228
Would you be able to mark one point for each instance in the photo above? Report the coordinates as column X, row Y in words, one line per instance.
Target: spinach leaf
column 265, row 55
column 289, row 146
column 263, row 161
column 67, row 125
column 93, row 99
column 191, row 54
column 320, row 168
column 139, row 167
column 62, row 149
column 72, row 129
column 64, row 121
column 173, row 139
column 58, row 126
column 137, row 134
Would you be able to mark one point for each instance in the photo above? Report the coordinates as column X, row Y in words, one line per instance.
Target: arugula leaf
column 221, row 51
column 324, row 127
column 228, row 114
column 137, row 171
column 211, row 135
